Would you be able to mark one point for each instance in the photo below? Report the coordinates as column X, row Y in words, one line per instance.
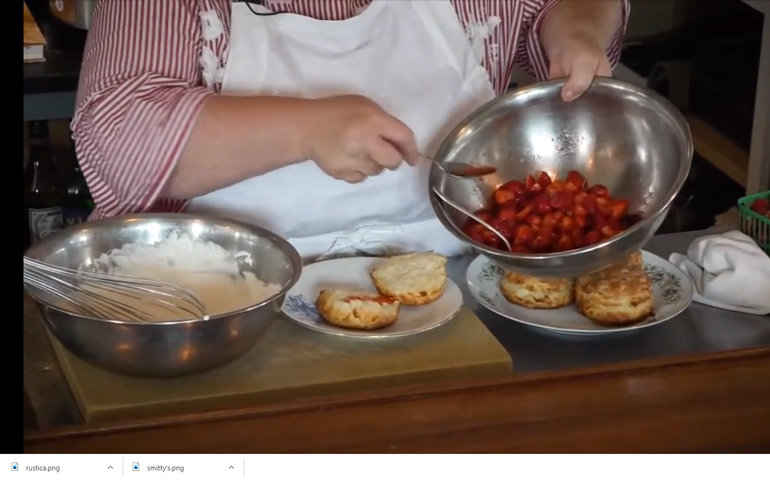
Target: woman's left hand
column 575, row 35
column 579, row 58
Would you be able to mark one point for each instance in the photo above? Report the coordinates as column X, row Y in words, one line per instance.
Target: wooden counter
column 715, row 403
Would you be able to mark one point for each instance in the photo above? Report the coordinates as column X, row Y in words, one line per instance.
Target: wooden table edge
column 618, row 374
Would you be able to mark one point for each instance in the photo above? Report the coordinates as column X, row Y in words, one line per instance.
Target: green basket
column 753, row 224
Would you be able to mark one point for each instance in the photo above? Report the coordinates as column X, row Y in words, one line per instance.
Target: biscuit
column 616, row 296
column 634, row 260
column 412, row 279
column 537, row 293
column 356, row 309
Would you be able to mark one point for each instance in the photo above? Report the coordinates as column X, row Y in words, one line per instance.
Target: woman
column 310, row 117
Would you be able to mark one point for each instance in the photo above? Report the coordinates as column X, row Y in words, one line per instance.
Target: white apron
column 411, row 57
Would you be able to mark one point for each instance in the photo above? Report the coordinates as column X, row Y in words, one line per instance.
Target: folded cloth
column 728, row 271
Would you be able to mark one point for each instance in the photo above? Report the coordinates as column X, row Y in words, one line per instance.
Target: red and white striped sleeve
column 532, row 57
column 139, row 95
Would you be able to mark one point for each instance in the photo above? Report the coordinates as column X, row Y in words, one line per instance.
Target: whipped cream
column 202, row 267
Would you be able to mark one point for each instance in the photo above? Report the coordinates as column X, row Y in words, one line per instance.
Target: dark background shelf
column 63, row 53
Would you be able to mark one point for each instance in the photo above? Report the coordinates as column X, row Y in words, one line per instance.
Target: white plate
column 672, row 292
column 299, row 305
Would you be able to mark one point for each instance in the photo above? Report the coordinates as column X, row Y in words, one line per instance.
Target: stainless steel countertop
column 698, row 330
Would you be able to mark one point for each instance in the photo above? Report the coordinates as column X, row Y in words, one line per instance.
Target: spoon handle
column 437, row 164
column 462, row 169
column 472, row 215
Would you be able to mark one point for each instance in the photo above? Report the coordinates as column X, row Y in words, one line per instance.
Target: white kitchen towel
column 729, row 271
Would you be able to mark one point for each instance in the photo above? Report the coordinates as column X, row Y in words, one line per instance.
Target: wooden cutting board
column 292, row 362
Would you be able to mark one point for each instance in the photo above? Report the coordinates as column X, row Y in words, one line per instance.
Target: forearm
column 597, row 19
column 236, row 138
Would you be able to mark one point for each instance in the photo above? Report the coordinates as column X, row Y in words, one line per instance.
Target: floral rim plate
column 672, row 292
column 353, row 272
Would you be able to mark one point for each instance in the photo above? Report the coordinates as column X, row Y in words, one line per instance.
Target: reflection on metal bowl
column 627, row 138
column 174, row 348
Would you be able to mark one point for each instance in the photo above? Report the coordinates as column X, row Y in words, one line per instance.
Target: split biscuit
column 413, row 279
column 616, row 296
column 356, row 309
column 537, row 293
column 634, row 260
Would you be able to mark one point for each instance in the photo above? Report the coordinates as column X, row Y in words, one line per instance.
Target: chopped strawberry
column 599, row 190
column 565, row 243
column 577, row 180
column 504, row 196
column 617, row 208
column 514, row 186
column 523, row 235
column 544, row 180
column 529, row 183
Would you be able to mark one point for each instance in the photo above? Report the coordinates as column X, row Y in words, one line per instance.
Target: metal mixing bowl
column 174, row 348
column 627, row 138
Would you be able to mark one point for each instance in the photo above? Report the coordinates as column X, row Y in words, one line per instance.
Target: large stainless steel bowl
column 174, row 348
column 627, row 138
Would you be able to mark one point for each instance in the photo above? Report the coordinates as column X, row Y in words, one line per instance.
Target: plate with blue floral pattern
column 353, row 272
column 672, row 293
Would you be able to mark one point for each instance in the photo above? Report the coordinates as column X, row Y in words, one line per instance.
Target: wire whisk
column 113, row 297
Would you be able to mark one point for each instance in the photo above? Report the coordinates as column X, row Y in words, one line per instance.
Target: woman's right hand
column 350, row 137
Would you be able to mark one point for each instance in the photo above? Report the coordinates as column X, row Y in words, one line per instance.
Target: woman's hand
column 351, row 137
column 576, row 35
column 579, row 59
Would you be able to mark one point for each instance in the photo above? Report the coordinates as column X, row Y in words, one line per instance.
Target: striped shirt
column 150, row 65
